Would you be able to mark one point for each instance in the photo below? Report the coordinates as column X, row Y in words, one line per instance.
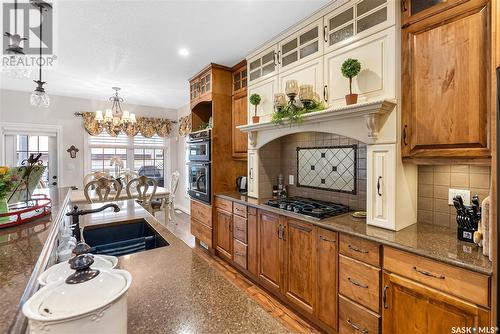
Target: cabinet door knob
column 378, row 186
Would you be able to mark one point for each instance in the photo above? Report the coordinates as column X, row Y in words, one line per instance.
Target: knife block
column 465, row 234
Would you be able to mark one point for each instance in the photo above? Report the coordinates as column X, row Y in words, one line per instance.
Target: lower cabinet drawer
column 456, row 281
column 355, row 319
column 240, row 209
column 240, row 253
column 240, row 228
column 224, row 204
column 201, row 212
column 360, row 282
column 202, row 232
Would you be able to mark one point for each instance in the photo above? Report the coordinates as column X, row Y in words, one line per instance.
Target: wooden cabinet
column 201, row 222
column 239, row 111
column 270, row 250
column 252, row 241
column 410, row 307
column 200, row 87
column 326, row 277
column 416, row 10
column 445, row 78
column 223, row 231
column 300, row 263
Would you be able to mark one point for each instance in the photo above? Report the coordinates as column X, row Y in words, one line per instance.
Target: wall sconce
column 72, row 151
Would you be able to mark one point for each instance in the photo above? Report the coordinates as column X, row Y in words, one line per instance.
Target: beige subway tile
column 441, row 192
column 460, row 168
column 442, row 219
column 442, row 179
column 480, row 169
column 441, row 206
column 424, row 216
column 425, row 190
column 459, row 180
column 442, row 169
column 425, row 178
column 425, row 203
column 480, row 181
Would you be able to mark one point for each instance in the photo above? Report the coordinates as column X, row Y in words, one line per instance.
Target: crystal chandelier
column 39, row 98
column 17, row 66
column 115, row 118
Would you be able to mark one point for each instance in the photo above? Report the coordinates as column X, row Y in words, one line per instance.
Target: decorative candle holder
column 291, row 90
column 279, row 101
column 306, row 95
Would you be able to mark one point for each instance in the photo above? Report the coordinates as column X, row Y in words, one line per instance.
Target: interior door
column 270, row 250
column 409, row 307
column 52, row 165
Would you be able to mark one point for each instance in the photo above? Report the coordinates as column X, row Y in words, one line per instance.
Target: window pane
column 372, row 20
column 309, row 50
column 367, row 5
column 342, row 18
column 43, row 143
column 419, row 5
column 292, row 57
column 341, row 34
column 33, row 143
column 255, row 64
column 268, row 58
column 22, row 143
column 309, row 35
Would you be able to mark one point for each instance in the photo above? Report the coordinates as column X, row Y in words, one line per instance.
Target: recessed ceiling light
column 183, row 52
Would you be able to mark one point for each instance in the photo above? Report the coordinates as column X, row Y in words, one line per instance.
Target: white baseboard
column 182, row 208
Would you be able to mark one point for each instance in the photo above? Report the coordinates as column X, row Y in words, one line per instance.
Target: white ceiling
column 134, row 44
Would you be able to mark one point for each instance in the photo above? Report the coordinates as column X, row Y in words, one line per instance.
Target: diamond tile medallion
column 330, row 168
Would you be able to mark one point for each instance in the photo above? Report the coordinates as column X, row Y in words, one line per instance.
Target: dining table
column 78, row 197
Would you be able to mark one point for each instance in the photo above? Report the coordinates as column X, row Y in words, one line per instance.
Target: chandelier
column 115, row 119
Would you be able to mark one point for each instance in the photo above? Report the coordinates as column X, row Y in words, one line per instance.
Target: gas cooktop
column 309, row 207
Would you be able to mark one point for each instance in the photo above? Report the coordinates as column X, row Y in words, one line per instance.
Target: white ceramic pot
column 89, row 301
column 60, row 271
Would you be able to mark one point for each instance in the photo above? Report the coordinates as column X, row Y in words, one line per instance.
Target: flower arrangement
column 8, row 181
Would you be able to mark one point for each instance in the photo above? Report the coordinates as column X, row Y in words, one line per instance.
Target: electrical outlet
column 462, row 192
column 291, row 179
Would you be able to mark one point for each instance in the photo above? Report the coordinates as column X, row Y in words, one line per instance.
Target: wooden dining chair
column 174, row 183
column 102, row 188
column 141, row 185
column 127, row 176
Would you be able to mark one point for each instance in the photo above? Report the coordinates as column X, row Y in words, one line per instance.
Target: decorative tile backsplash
column 330, row 168
column 280, row 157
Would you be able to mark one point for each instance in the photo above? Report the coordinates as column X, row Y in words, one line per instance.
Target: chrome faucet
column 75, row 214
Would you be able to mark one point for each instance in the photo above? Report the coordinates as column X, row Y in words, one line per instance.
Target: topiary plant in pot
column 350, row 68
column 255, row 101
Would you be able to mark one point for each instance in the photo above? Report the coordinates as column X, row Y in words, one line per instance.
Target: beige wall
column 433, row 185
column 280, row 156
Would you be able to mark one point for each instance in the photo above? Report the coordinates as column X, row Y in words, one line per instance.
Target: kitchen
column 339, row 178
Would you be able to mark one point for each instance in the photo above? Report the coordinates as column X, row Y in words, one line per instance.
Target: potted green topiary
column 350, row 68
column 255, row 101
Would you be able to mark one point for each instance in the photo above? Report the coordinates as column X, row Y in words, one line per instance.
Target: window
column 145, row 156
column 27, row 145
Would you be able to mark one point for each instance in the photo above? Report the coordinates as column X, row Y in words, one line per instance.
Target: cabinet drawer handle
column 359, row 250
column 240, row 229
column 378, row 186
column 251, row 173
column 325, row 93
column 280, row 232
column 325, row 34
column 239, row 254
column 326, row 239
column 403, row 6
column 384, row 296
column 428, row 273
column 356, row 327
column 353, row 281
column 405, row 142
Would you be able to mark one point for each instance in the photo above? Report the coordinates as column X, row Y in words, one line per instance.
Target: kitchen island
column 174, row 290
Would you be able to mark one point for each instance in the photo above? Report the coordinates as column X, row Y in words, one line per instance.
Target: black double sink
column 123, row 238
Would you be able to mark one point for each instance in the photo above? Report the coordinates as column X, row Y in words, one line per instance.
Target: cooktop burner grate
column 309, row 207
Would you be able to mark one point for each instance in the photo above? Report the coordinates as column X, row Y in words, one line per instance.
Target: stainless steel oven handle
column 198, row 164
column 191, row 141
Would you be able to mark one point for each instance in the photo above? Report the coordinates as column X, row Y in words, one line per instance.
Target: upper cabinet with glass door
column 262, row 65
column 304, row 45
column 355, row 20
column 416, row 10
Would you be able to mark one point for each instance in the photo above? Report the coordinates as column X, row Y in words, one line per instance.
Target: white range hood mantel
column 362, row 121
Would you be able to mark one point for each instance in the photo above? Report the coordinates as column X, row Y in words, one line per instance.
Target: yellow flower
column 3, row 170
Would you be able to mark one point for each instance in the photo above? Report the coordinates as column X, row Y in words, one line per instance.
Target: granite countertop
column 20, row 248
column 174, row 290
column 432, row 241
